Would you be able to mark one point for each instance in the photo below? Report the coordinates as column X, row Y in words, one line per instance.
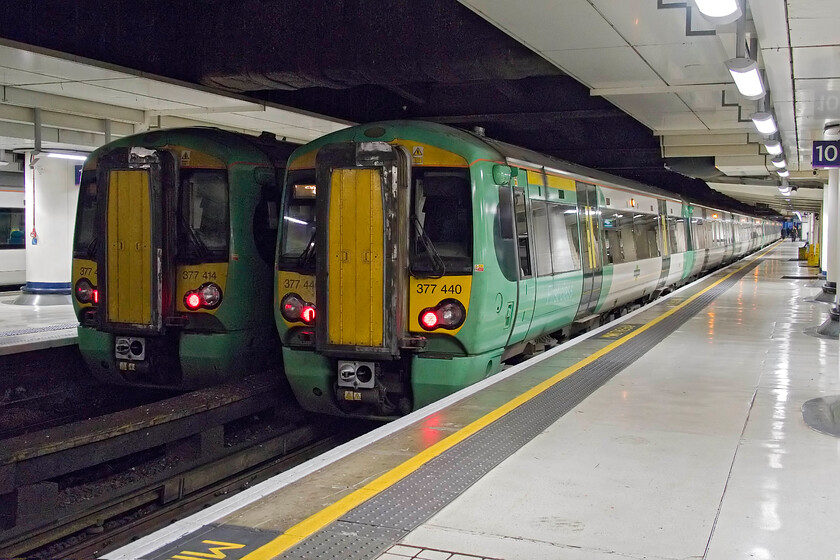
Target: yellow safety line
column 319, row 520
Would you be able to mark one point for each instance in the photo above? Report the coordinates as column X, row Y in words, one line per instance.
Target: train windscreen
column 204, row 216
column 84, row 244
column 441, row 214
column 297, row 248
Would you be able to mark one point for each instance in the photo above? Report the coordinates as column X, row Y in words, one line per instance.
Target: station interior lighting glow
column 773, row 148
column 719, row 11
column 779, row 162
column 764, row 122
column 783, row 173
column 747, row 77
column 76, row 157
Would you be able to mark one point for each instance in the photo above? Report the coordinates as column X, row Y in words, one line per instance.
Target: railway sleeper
column 45, row 474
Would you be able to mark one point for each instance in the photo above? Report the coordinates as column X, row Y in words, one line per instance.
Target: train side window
column 698, row 234
column 645, row 234
column 542, row 238
column 562, row 221
column 11, row 228
column 84, row 244
column 676, row 235
column 265, row 223
column 523, row 243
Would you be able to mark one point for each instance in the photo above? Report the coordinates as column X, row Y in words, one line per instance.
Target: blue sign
column 826, row 153
column 78, row 170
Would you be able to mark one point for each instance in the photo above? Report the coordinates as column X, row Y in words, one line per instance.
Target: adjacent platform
column 34, row 327
column 676, row 433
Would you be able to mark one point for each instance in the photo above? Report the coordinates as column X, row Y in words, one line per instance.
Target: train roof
column 275, row 150
column 477, row 146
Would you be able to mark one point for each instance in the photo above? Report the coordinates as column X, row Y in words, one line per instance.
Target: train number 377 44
column 291, row 284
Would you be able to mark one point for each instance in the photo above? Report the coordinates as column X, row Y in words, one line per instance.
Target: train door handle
column 368, row 257
column 344, row 256
column 509, row 314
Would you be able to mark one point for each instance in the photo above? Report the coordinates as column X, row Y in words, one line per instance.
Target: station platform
column 24, row 328
column 675, row 432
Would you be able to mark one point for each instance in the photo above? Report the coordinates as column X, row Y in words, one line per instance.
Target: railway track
column 78, row 489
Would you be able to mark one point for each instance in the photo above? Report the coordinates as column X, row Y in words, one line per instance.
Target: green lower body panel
column 311, row 377
column 432, row 379
column 183, row 360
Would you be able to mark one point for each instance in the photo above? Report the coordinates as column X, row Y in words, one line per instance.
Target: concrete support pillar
column 830, row 244
column 51, row 192
column 831, row 326
column 824, row 233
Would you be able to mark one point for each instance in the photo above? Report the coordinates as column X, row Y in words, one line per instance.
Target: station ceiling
column 637, row 88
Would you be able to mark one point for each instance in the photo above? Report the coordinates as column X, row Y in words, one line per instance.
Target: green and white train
column 414, row 258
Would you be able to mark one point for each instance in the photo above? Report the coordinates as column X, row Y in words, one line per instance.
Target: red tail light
column 207, row 296
column 295, row 310
column 448, row 314
column 85, row 292
column 428, row 319
column 307, row 314
column 192, row 301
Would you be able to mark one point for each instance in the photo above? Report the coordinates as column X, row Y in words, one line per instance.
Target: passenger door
column 527, row 286
column 590, row 250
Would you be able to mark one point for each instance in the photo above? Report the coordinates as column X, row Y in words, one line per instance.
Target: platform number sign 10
column 826, row 153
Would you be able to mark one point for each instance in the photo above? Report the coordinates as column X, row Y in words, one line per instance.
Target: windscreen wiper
column 438, row 266
column 197, row 243
column 308, row 254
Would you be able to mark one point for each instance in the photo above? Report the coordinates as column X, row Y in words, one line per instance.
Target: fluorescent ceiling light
column 773, row 148
column 764, row 122
column 747, row 77
column 779, row 162
column 784, row 190
column 719, row 12
column 68, row 156
column 783, row 173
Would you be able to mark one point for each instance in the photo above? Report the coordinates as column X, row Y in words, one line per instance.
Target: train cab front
column 381, row 287
column 150, row 266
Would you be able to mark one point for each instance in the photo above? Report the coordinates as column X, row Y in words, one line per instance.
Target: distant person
column 793, row 234
column 16, row 237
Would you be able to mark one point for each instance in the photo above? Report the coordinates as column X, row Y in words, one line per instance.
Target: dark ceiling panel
column 360, row 60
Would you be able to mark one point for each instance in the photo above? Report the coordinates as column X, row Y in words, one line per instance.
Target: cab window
column 203, row 224
column 441, row 216
column 297, row 237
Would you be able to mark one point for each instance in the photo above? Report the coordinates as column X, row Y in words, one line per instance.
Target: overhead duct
column 694, row 167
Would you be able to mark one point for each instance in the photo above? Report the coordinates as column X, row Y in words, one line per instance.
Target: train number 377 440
column 443, row 288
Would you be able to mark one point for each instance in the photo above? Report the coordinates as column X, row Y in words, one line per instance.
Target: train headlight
column 207, row 296
column 295, row 310
column 85, row 292
column 211, row 295
column 448, row 314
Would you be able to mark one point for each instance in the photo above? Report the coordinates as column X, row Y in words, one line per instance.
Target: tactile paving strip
column 372, row 527
column 39, row 329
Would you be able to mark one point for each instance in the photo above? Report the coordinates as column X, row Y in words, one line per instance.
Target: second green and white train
column 414, row 258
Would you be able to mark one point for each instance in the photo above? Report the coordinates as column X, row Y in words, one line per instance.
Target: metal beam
column 61, row 104
column 533, row 116
column 648, row 90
